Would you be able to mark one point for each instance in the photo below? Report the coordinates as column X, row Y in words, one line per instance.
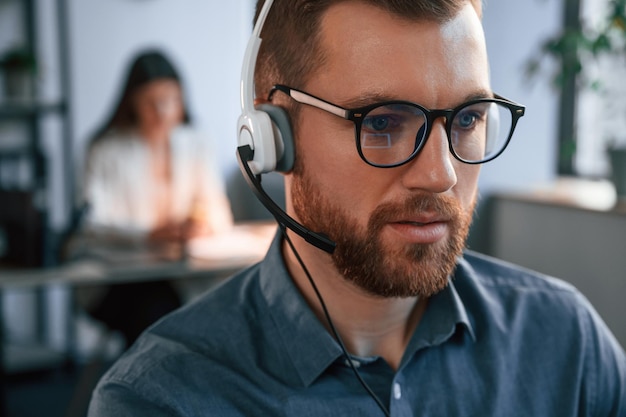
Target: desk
column 211, row 259
column 218, row 256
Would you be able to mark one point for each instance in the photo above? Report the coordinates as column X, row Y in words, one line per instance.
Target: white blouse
column 123, row 194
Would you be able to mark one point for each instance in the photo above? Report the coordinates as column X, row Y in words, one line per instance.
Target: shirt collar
column 445, row 316
column 309, row 346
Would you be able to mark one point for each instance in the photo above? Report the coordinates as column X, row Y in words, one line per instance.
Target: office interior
column 570, row 226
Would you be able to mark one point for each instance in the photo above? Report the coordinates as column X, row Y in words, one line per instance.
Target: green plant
column 577, row 46
column 576, row 60
column 18, row 59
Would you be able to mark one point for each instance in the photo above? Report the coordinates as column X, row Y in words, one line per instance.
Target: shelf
column 26, row 109
column 28, row 358
column 15, row 152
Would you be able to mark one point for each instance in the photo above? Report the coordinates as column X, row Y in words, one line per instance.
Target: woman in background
column 147, row 170
column 149, row 174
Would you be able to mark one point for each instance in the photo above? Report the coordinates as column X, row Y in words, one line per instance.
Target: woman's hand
column 179, row 232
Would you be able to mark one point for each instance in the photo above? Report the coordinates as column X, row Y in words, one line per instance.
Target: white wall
column 205, row 38
column 514, row 30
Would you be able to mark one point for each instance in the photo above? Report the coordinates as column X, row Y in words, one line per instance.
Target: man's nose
column 432, row 169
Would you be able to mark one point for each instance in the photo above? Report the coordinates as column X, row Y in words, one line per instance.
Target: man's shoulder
column 234, row 303
column 497, row 273
column 205, row 337
column 517, row 310
column 509, row 291
column 200, row 326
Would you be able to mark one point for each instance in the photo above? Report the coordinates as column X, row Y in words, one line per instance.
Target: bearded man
column 391, row 114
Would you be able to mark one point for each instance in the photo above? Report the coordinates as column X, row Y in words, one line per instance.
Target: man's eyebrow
column 366, row 100
column 482, row 93
column 372, row 98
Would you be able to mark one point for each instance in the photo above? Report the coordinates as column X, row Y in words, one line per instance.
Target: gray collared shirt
column 498, row 341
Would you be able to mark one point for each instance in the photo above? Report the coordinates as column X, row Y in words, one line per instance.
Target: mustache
column 445, row 206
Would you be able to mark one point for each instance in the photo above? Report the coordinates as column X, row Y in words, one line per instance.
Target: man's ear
column 282, row 134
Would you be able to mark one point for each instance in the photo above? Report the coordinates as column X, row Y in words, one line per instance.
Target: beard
column 361, row 255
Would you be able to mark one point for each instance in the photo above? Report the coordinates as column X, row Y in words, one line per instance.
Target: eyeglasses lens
column 392, row 133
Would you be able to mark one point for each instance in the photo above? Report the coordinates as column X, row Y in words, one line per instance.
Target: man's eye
column 466, row 120
column 383, row 122
column 377, row 123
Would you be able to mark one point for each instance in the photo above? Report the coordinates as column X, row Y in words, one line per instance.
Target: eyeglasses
column 392, row 133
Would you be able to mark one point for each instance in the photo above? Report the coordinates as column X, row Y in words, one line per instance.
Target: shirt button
column 397, row 391
column 354, row 362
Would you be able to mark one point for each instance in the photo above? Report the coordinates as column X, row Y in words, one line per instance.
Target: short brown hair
column 290, row 49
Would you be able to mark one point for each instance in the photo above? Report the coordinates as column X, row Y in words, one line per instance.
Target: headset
column 265, row 144
column 265, row 140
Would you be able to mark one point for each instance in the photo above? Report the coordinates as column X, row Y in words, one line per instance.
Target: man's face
column 398, row 230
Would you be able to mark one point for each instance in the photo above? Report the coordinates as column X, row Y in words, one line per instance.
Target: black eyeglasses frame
column 357, row 116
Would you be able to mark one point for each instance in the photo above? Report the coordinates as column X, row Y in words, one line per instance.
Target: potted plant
column 18, row 66
column 579, row 50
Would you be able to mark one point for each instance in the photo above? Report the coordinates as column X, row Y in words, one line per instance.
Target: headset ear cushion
column 285, row 152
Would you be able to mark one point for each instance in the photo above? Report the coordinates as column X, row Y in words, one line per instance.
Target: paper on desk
column 238, row 243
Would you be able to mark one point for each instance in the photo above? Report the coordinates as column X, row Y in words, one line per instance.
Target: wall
column 514, row 30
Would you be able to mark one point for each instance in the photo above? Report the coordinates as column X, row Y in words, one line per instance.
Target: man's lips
column 426, row 229
column 421, row 219
column 419, row 223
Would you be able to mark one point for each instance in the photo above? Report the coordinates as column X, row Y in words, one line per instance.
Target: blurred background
column 550, row 202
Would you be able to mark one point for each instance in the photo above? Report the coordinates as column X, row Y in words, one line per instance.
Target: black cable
column 331, row 324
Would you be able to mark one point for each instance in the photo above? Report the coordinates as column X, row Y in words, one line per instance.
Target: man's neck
column 368, row 325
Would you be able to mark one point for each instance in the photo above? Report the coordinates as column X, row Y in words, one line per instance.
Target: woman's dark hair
column 147, row 66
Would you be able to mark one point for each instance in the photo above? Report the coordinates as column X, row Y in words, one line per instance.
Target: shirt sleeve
column 605, row 368
column 118, row 400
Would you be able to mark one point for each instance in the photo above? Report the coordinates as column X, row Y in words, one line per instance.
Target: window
column 601, row 114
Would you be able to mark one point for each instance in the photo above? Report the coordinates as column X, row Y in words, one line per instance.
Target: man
column 427, row 329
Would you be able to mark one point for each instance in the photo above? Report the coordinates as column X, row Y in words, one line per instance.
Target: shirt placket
column 399, row 404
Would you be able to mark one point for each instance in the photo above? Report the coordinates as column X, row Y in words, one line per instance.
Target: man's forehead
column 410, row 18
column 389, row 52
column 476, row 5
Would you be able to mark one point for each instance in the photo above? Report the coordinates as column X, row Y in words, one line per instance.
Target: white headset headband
column 250, row 57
